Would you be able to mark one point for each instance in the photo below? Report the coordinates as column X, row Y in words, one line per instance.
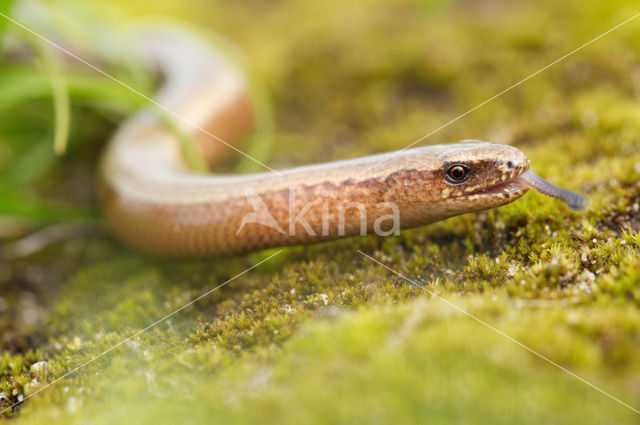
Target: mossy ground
column 322, row 334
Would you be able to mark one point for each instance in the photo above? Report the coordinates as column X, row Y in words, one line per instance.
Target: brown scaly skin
column 155, row 204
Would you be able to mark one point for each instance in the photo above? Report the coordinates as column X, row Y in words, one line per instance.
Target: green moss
column 321, row 334
column 418, row 361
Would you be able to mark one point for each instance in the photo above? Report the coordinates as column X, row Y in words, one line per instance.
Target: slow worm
column 155, row 203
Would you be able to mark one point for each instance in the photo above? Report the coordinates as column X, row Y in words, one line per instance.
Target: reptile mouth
column 507, row 188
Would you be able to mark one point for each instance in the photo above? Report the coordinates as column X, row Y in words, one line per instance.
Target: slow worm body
column 155, row 203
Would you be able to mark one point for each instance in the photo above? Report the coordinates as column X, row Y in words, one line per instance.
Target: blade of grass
column 261, row 142
column 23, row 85
column 192, row 153
column 61, row 105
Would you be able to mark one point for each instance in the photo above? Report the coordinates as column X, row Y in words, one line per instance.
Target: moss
column 19, row 376
column 322, row 328
column 417, row 361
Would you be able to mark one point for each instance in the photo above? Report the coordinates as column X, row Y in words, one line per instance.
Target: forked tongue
column 574, row 201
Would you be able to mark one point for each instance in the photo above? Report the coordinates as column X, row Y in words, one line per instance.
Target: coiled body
column 155, row 203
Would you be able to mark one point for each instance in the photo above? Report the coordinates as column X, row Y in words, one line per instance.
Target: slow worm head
column 155, row 203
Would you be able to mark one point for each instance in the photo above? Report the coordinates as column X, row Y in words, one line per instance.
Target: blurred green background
column 320, row 334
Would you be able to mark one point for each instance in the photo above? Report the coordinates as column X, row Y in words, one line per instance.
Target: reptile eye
column 457, row 173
